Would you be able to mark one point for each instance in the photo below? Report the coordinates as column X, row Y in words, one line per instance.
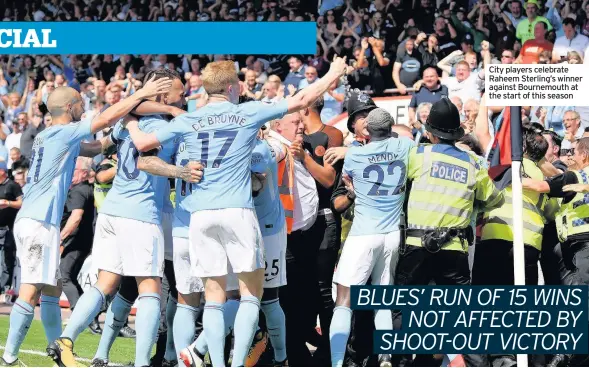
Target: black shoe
column 62, row 352
column 98, row 362
column 127, row 332
column 169, row 363
column 95, row 327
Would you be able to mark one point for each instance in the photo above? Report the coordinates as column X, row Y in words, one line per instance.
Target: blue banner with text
column 480, row 319
column 251, row 38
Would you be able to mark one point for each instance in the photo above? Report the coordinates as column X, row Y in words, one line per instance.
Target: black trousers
column 311, row 256
column 8, row 247
column 418, row 266
column 71, row 263
column 493, row 263
column 551, row 259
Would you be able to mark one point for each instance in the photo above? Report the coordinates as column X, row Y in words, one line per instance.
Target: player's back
column 52, row 164
column 181, row 214
column 379, row 174
column 133, row 191
column 221, row 136
column 268, row 205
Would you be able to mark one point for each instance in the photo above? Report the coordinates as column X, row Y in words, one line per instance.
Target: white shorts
column 167, row 219
column 223, row 240
column 366, row 256
column 37, row 249
column 128, row 247
column 185, row 282
column 275, row 246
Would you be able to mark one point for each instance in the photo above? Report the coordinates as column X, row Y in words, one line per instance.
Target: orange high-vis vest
column 285, row 187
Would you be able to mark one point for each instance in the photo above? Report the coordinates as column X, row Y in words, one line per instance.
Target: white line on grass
column 41, row 353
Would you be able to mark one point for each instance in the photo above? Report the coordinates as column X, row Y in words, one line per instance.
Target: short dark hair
column 472, row 143
column 161, row 73
column 568, row 22
column 556, row 140
column 535, row 145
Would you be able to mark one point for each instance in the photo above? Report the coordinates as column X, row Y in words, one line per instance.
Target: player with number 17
column 224, row 229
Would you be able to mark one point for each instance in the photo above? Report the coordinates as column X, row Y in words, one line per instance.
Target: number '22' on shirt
column 379, row 173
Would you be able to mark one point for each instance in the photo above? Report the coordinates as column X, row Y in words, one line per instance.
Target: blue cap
column 3, row 165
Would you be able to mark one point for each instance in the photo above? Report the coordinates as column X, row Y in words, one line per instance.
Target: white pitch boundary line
column 40, row 353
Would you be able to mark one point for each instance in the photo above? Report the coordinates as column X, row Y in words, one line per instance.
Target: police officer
column 571, row 224
column 446, row 182
column 105, row 174
column 495, row 251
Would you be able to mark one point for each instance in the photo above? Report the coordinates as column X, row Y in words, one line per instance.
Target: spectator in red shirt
column 531, row 50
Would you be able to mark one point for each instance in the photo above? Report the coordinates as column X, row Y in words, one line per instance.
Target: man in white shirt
column 306, row 203
column 571, row 41
column 465, row 85
column 573, row 131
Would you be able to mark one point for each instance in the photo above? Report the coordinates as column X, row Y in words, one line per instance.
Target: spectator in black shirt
column 380, row 65
column 10, row 202
column 503, row 37
column 428, row 48
column 77, row 232
column 407, row 67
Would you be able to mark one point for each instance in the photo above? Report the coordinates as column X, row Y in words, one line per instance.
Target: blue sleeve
column 413, row 102
column 263, row 113
column 347, row 169
column 261, row 158
column 75, row 132
column 115, row 136
column 172, row 130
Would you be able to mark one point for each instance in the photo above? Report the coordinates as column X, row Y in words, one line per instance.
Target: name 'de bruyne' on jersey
column 218, row 119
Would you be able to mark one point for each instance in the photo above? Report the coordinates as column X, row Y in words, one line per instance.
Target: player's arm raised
column 114, row 113
column 191, row 173
column 142, row 141
column 311, row 93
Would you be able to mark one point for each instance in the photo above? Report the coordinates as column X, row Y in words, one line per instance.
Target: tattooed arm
column 191, row 173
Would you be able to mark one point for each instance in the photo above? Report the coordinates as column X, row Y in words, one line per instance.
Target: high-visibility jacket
column 573, row 217
column 537, row 210
column 101, row 190
column 286, row 187
column 446, row 183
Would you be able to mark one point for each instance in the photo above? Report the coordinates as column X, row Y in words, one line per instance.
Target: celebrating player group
column 220, row 238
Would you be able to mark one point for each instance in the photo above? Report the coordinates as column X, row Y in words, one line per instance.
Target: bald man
column 37, row 225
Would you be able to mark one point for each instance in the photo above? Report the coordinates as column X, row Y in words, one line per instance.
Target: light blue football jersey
column 379, row 174
column 181, row 221
column 268, row 205
column 133, row 193
column 222, row 136
column 52, row 164
column 150, row 124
